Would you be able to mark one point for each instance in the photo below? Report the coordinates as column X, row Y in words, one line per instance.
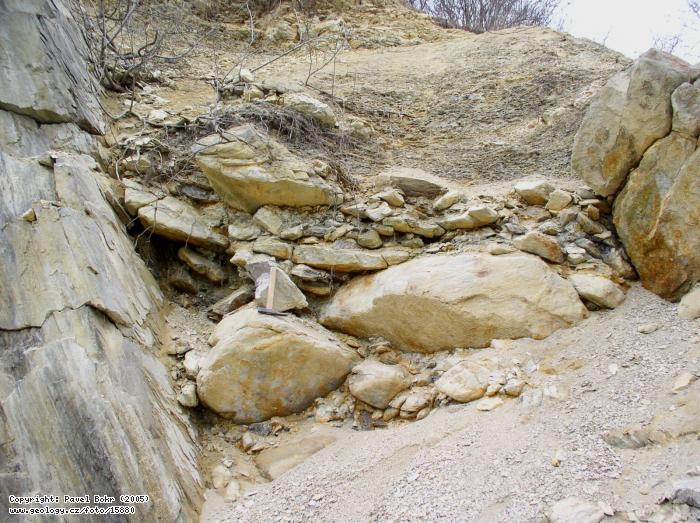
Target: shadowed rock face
column 85, row 405
column 441, row 302
column 657, row 216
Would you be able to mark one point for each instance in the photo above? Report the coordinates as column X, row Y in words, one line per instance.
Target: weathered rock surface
column 276, row 461
column 463, row 300
column 376, row 383
column 631, row 112
column 598, row 290
column 466, row 381
column 311, row 107
column 686, row 110
column 412, row 182
column 249, row 170
column 86, row 406
column 540, row 244
column 575, row 510
column 657, row 216
column 174, row 219
column 46, row 78
column 262, row 366
column 341, row 260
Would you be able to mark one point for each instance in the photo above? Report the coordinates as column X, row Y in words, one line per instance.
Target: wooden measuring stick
column 271, row 288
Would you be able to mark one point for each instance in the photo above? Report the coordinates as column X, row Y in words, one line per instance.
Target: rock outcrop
column 657, row 216
column 466, row 300
column 640, row 137
column 627, row 116
column 262, row 366
column 249, row 170
column 86, row 405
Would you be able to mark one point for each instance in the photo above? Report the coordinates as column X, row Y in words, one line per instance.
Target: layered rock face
column 437, row 303
column 640, row 137
column 86, row 406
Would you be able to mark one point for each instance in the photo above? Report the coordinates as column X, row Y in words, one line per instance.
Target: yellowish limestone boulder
column 465, row 300
column 262, row 366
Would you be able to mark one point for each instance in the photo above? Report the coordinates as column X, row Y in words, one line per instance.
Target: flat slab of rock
column 249, row 170
column 174, row 219
column 241, row 296
column 341, row 260
column 464, row 300
column 276, row 461
column 629, row 114
column 412, row 182
column 598, row 290
column 262, row 366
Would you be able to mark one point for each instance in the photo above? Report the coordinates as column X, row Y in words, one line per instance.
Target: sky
column 632, row 26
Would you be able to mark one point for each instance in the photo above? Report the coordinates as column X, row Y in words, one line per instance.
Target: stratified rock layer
column 249, row 170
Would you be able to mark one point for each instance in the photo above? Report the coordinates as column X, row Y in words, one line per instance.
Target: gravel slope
column 460, row 464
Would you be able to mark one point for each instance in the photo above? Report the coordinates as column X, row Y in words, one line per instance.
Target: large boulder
column 249, row 170
column 262, row 366
column 464, row 300
column 631, row 112
column 657, row 216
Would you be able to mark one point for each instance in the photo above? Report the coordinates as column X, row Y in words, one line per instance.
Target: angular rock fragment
column 540, row 244
column 174, row 219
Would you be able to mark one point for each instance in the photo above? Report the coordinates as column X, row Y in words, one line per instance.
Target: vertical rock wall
column 85, row 405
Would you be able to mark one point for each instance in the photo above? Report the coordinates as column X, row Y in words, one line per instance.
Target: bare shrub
column 127, row 39
column 479, row 16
